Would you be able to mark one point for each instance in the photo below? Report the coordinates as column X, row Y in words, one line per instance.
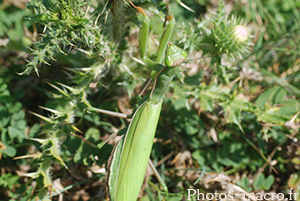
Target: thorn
column 42, row 117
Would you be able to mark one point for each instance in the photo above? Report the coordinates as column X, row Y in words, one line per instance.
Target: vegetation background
column 233, row 123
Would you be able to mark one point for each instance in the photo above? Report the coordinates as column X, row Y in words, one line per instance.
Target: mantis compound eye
column 174, row 55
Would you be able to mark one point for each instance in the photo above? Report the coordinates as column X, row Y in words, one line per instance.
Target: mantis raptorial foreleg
column 130, row 157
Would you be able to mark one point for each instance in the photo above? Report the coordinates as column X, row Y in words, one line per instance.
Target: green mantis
column 130, row 158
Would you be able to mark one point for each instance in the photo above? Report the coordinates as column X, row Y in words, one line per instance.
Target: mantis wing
column 131, row 156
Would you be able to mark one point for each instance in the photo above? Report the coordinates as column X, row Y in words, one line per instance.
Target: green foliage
column 232, row 109
column 263, row 183
column 12, row 24
column 12, row 122
column 8, row 180
column 260, row 183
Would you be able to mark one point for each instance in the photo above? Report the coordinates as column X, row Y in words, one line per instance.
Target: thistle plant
column 70, row 29
column 67, row 26
column 227, row 35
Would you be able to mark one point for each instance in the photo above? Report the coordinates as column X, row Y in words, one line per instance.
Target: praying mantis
column 129, row 160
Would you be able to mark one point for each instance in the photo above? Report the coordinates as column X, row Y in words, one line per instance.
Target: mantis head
column 174, row 55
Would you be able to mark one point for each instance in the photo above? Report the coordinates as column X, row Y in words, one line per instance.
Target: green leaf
column 258, row 181
column 4, row 117
column 15, row 133
column 279, row 95
column 245, row 184
column 5, row 98
column 9, row 151
column 18, row 115
column 92, row 133
column 8, row 180
column 278, row 135
column 14, row 108
column 270, row 115
column 208, row 95
column 234, row 108
column 44, row 170
column 77, row 157
column 5, row 137
column 12, row 132
column 271, row 96
column 294, row 180
column 179, row 103
column 198, row 155
column 35, row 129
column 54, row 150
column 288, row 108
column 207, row 103
column 268, row 182
column 3, row 86
column 20, row 124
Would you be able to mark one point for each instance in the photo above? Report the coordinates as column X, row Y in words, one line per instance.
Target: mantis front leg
column 130, row 158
